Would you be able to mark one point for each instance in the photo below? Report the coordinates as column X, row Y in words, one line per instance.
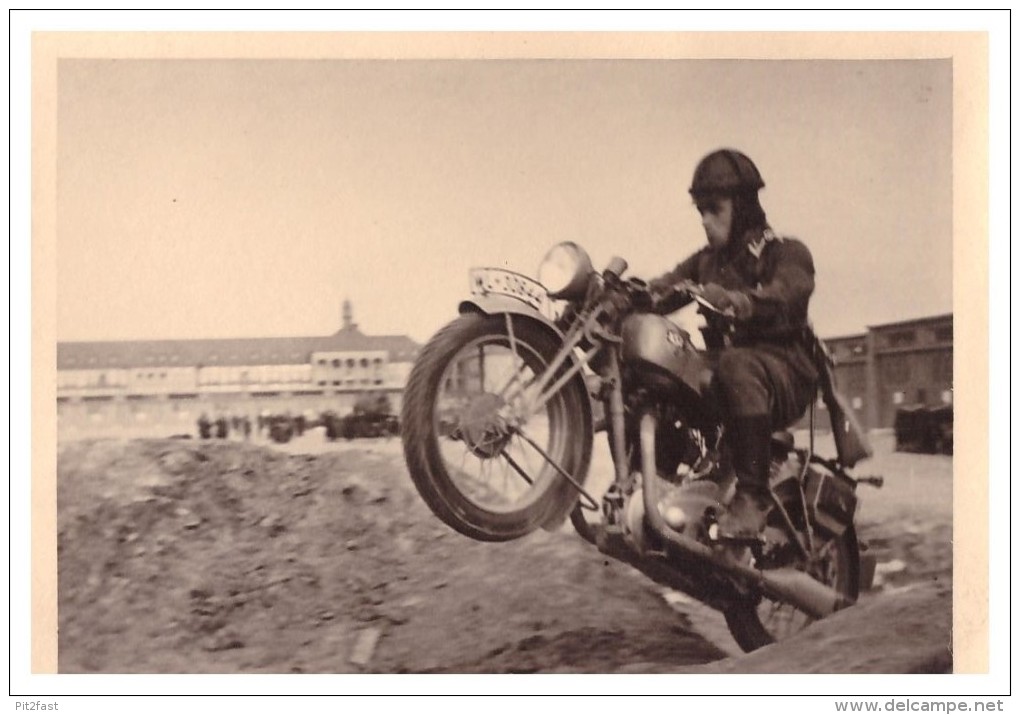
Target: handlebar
column 695, row 292
column 635, row 293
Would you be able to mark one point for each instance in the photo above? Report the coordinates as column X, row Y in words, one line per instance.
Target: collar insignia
column 756, row 247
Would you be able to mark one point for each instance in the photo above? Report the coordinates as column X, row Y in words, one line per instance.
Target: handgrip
column 615, row 268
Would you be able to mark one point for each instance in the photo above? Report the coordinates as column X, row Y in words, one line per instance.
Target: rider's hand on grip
column 731, row 301
column 667, row 297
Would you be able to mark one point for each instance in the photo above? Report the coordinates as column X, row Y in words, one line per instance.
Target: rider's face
column 717, row 218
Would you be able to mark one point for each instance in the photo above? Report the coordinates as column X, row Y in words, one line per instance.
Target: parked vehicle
column 371, row 417
column 924, row 429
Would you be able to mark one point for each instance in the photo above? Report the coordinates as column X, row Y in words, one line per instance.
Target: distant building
column 893, row 365
column 162, row 387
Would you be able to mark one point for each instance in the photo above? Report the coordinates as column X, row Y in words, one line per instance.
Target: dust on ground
column 186, row 556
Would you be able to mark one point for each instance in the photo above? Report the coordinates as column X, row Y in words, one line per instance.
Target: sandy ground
column 181, row 556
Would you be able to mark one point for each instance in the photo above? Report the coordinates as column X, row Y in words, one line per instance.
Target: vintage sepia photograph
column 509, row 353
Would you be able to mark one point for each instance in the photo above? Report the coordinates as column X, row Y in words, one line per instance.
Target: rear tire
column 450, row 428
column 757, row 624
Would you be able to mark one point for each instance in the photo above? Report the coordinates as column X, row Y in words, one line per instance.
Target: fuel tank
column 660, row 355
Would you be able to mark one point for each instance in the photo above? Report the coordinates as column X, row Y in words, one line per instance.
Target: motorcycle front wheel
column 478, row 469
column 755, row 624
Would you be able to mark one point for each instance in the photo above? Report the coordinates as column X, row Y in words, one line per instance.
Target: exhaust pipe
column 786, row 584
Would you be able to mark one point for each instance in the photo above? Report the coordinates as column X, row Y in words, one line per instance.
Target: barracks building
column 893, row 366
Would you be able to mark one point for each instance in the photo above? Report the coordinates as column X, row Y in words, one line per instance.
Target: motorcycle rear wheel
column 479, row 474
column 757, row 624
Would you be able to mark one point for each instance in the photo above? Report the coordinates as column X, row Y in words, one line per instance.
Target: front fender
column 496, row 305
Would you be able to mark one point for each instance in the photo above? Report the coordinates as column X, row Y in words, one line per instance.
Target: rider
column 765, row 374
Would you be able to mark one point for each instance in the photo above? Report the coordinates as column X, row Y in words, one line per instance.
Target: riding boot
column 750, row 444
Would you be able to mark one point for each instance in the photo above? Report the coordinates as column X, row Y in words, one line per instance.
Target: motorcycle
column 499, row 417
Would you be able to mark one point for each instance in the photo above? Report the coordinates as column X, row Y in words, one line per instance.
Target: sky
column 247, row 198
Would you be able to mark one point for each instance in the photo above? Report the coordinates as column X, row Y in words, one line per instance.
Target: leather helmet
column 725, row 171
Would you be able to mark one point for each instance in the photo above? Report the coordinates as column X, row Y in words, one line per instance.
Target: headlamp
column 564, row 271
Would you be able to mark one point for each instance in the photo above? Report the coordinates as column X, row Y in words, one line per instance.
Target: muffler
column 786, row 584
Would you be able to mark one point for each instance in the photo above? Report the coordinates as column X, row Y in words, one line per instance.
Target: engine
column 681, row 450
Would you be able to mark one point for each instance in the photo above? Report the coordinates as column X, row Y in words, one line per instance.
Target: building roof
column 914, row 321
column 846, row 338
column 929, row 320
column 227, row 351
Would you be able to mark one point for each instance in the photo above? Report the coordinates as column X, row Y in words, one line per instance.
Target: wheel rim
column 491, row 459
column 781, row 620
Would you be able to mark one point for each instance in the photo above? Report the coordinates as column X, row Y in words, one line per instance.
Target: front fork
column 617, row 419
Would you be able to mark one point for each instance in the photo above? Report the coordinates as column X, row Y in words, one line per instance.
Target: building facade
column 163, row 387
column 902, row 364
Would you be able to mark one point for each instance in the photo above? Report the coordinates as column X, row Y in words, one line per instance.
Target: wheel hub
column 483, row 426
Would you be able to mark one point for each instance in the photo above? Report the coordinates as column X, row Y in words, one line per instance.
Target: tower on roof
column 348, row 316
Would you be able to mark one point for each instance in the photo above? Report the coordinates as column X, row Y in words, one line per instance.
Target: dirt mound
column 199, row 557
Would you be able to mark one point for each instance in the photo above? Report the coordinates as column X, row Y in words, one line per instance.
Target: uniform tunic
column 767, row 369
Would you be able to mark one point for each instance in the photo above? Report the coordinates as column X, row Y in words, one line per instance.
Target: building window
column 336, row 362
column 901, row 338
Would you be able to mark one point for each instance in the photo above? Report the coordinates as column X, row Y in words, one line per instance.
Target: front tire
column 479, row 473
